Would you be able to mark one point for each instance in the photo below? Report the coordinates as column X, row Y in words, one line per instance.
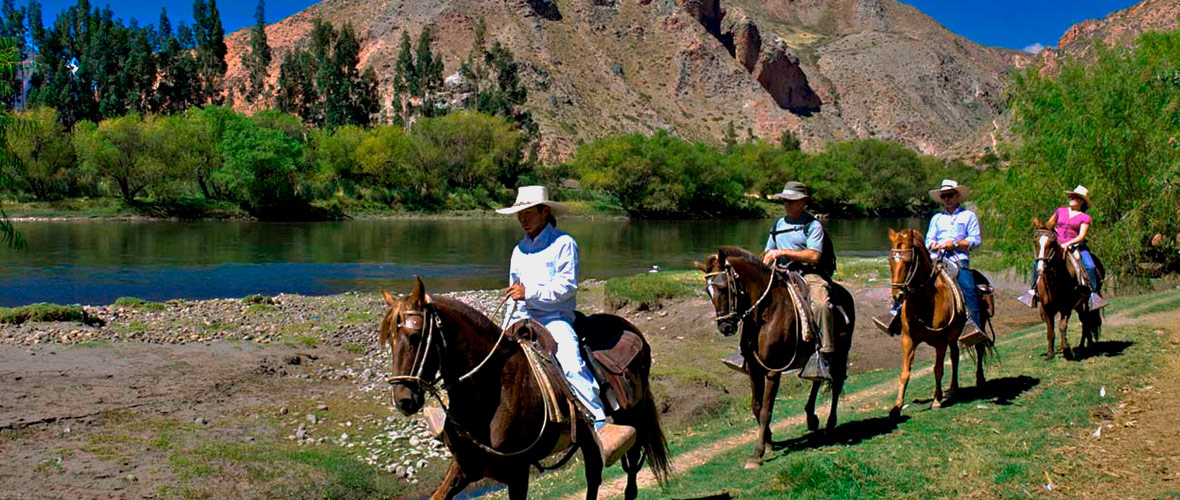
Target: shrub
column 47, row 312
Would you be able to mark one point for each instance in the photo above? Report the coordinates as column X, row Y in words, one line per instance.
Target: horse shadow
column 1001, row 391
column 848, row 433
column 1104, row 348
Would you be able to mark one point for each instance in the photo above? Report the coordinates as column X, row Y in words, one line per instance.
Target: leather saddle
column 609, row 344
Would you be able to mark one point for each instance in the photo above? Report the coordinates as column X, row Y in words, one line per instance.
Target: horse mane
column 466, row 312
column 448, row 304
column 745, row 256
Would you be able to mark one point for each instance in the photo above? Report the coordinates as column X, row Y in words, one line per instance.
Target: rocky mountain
column 824, row 69
column 1119, row 28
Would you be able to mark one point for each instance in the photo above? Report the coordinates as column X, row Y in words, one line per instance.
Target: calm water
column 97, row 262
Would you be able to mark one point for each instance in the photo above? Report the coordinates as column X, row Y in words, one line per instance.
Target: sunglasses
column 947, row 196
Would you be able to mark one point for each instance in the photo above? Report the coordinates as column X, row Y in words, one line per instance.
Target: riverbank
column 284, row 396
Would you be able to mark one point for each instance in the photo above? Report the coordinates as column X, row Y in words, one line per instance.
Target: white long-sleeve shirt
column 547, row 266
column 962, row 224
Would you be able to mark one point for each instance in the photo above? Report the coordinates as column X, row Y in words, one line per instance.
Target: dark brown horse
column 496, row 422
column 1058, row 293
column 927, row 313
column 750, row 302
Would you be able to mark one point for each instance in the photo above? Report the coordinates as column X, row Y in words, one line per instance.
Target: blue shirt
column 547, row 266
column 962, row 224
column 796, row 234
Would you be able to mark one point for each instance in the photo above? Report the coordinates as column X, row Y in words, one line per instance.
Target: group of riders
column 543, row 277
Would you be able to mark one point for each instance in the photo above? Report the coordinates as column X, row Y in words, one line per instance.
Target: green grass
column 354, row 347
column 1138, row 305
column 359, row 317
column 140, row 304
column 1003, row 441
column 77, row 207
column 645, row 291
column 861, row 270
column 255, row 298
column 46, row 312
column 300, row 340
column 260, row 308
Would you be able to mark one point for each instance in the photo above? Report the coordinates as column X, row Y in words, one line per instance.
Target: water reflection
column 96, row 262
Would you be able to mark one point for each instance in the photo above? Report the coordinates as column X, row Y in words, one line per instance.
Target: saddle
column 540, row 349
column 609, row 344
column 1075, row 259
column 987, row 301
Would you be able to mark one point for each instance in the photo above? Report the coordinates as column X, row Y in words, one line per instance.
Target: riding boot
column 735, row 361
column 614, row 441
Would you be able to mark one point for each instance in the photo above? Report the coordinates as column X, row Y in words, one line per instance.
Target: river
column 95, row 262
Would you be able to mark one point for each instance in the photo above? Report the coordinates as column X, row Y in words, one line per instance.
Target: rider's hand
column 769, row 257
column 515, row 292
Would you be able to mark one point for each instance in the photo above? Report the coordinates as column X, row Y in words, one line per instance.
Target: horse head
column 409, row 330
column 906, row 258
column 1045, row 244
column 727, row 276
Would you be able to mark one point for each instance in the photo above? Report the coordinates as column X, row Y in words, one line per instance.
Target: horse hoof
column 753, row 464
column 812, row 423
column 936, row 404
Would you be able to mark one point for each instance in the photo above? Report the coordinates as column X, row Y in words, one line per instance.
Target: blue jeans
column 966, row 281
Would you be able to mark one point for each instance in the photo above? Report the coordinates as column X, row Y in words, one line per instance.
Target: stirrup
column 735, row 361
column 1029, row 298
column 971, row 334
column 614, row 441
column 1096, row 302
column 888, row 323
column 435, row 419
column 817, row 369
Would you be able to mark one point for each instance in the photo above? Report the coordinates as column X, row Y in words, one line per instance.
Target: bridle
column 735, row 293
column 900, row 255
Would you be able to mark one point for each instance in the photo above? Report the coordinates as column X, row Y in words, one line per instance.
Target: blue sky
column 1003, row 23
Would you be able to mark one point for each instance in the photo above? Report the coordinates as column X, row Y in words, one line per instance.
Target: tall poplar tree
column 256, row 60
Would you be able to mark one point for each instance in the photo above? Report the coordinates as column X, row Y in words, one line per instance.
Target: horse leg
column 757, row 386
column 452, row 483
column 592, row 459
column 954, row 348
column 837, row 386
column 907, row 362
column 764, row 435
column 809, row 409
column 518, row 485
column 1063, row 326
column 1047, row 317
column 939, row 356
column 632, row 464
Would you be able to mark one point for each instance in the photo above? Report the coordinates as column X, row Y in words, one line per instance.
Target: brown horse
column 927, row 313
column 749, row 301
column 496, row 424
column 1058, row 293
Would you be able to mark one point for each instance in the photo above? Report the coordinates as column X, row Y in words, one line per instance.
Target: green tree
column 41, row 157
column 120, row 150
column 405, row 81
column 730, row 138
column 210, row 50
column 256, row 60
column 789, row 141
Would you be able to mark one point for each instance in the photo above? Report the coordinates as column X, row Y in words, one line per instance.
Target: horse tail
column 1091, row 322
column 651, row 436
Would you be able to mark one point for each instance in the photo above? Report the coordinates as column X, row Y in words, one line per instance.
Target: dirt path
column 1135, row 451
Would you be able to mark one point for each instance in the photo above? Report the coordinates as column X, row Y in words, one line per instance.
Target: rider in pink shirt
column 1072, row 224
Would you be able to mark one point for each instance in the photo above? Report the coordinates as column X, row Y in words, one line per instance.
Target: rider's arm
column 815, row 245
column 932, row 231
column 974, row 237
column 564, row 283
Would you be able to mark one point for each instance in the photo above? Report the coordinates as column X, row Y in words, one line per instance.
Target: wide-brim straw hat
column 1080, row 192
column 793, row 191
column 949, row 185
column 531, row 196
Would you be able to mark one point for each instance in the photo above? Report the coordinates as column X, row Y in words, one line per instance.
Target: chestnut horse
column 927, row 313
column 1058, row 293
column 496, row 424
column 749, row 301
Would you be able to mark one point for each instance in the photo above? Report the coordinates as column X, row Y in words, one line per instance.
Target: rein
column 908, row 287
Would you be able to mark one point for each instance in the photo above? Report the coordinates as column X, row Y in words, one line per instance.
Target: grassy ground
column 992, row 443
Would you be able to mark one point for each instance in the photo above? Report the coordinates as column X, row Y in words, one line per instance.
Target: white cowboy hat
column 949, row 185
column 531, row 196
column 1080, row 192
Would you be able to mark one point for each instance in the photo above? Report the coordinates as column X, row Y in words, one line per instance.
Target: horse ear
column 1037, row 224
column 720, row 258
column 892, row 233
column 419, row 293
column 388, row 298
column 700, row 267
column 1051, row 224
